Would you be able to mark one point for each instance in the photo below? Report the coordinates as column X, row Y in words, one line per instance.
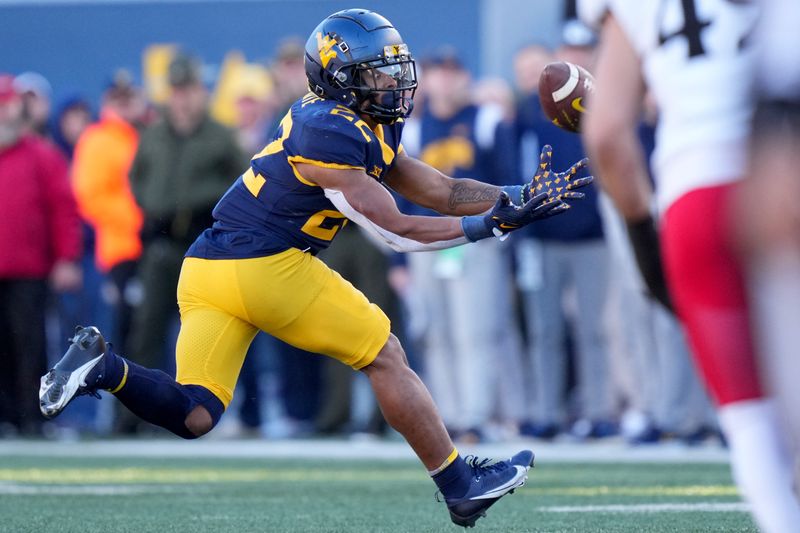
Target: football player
column 334, row 154
column 695, row 56
column 770, row 236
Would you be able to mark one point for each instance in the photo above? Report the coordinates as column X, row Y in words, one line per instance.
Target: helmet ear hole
column 328, row 79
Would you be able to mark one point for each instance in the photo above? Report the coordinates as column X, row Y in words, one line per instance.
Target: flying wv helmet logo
column 395, row 50
column 325, row 47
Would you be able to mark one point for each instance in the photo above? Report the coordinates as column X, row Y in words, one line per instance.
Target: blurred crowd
column 549, row 334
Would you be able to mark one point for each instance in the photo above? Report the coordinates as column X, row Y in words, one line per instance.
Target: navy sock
column 112, row 372
column 154, row 396
column 454, row 479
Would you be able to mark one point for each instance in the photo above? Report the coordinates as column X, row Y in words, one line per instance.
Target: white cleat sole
column 77, row 379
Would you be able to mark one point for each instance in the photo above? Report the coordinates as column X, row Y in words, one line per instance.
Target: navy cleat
column 75, row 374
column 491, row 480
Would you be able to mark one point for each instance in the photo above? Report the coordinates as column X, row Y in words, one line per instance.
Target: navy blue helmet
column 358, row 58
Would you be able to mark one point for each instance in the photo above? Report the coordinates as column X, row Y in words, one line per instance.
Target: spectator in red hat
column 39, row 242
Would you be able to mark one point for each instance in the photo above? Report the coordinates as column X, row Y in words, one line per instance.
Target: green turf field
column 232, row 495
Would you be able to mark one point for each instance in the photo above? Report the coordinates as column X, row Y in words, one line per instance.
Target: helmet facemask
column 385, row 88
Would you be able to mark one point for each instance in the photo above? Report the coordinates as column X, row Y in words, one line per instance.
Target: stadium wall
column 77, row 44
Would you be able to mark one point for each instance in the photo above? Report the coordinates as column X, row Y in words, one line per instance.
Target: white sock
column 761, row 463
column 775, row 291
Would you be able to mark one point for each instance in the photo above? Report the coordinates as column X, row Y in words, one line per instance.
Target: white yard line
column 13, row 489
column 733, row 507
column 605, row 452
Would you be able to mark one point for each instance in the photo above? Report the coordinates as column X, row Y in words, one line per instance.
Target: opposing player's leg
column 708, row 291
column 770, row 235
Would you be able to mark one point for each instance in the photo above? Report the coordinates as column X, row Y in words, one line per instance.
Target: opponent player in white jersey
column 695, row 56
column 770, row 235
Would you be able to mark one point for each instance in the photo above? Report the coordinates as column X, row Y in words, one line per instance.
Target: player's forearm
column 427, row 187
column 402, row 233
column 416, row 233
column 619, row 163
column 426, row 229
column 609, row 133
column 467, row 197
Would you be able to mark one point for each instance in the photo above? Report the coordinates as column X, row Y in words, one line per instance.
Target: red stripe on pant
column 709, row 294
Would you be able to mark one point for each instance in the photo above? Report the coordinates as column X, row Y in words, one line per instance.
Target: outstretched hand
column 506, row 216
column 543, row 197
column 557, row 185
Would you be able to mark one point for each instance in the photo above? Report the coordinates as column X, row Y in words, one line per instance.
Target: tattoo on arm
column 470, row 193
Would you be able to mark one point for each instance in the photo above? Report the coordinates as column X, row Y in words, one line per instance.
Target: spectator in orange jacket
column 39, row 242
column 103, row 156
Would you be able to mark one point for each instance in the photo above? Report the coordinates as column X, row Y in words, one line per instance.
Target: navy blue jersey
column 272, row 207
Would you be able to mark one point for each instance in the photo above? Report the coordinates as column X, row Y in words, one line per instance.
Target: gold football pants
column 291, row 295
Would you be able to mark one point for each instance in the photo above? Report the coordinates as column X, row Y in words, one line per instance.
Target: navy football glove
column 557, row 185
column 506, row 217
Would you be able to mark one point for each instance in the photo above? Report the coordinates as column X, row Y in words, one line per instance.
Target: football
column 564, row 89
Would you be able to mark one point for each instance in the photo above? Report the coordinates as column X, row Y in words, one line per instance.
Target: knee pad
column 199, row 395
